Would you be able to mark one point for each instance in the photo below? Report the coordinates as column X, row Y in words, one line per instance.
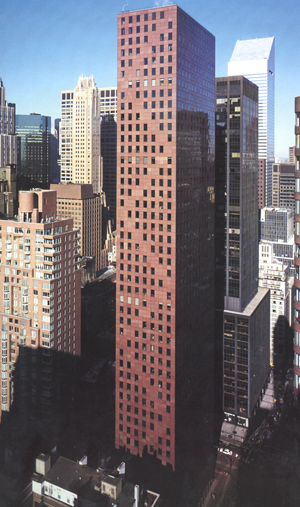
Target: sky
column 45, row 46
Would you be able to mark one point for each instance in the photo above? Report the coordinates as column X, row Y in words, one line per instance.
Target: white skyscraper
column 255, row 59
column 80, row 134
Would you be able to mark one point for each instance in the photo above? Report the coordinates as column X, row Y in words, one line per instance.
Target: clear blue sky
column 46, row 45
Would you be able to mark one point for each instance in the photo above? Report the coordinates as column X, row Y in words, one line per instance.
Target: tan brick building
column 78, row 201
column 40, row 283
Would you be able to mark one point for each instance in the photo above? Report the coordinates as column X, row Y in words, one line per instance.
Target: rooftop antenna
column 126, row 5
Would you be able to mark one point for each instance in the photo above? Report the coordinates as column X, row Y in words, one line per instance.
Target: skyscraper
column 80, row 134
column 40, row 282
column 35, row 150
column 255, row 59
column 108, row 97
column 8, row 139
column 165, row 200
column 297, row 255
column 245, row 307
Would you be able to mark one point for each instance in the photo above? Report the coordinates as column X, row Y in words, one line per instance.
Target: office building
column 40, row 282
column 34, row 163
column 277, row 229
column 78, row 201
column 8, row 140
column 165, row 224
column 255, row 59
column 297, row 256
column 283, row 185
column 276, row 224
column 79, row 143
column 245, row 306
column 108, row 98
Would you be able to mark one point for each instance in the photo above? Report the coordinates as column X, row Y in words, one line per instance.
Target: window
column 161, row 37
column 170, row 25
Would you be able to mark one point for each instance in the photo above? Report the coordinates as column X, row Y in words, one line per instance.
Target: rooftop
column 85, row 482
column 253, row 49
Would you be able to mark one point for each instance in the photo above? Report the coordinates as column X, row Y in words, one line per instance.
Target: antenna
column 126, row 5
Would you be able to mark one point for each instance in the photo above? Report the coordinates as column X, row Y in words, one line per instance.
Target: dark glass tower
column 34, row 131
column 244, row 306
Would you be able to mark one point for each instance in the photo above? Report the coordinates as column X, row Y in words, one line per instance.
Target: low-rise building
column 71, row 483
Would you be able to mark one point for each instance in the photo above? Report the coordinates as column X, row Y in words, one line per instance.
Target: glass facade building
column 255, row 59
column 108, row 113
column 34, row 131
column 245, row 325
column 236, row 189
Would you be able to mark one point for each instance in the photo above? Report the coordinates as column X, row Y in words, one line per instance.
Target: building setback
column 245, row 306
column 79, row 143
column 40, row 307
column 255, row 59
column 80, row 203
column 165, row 201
